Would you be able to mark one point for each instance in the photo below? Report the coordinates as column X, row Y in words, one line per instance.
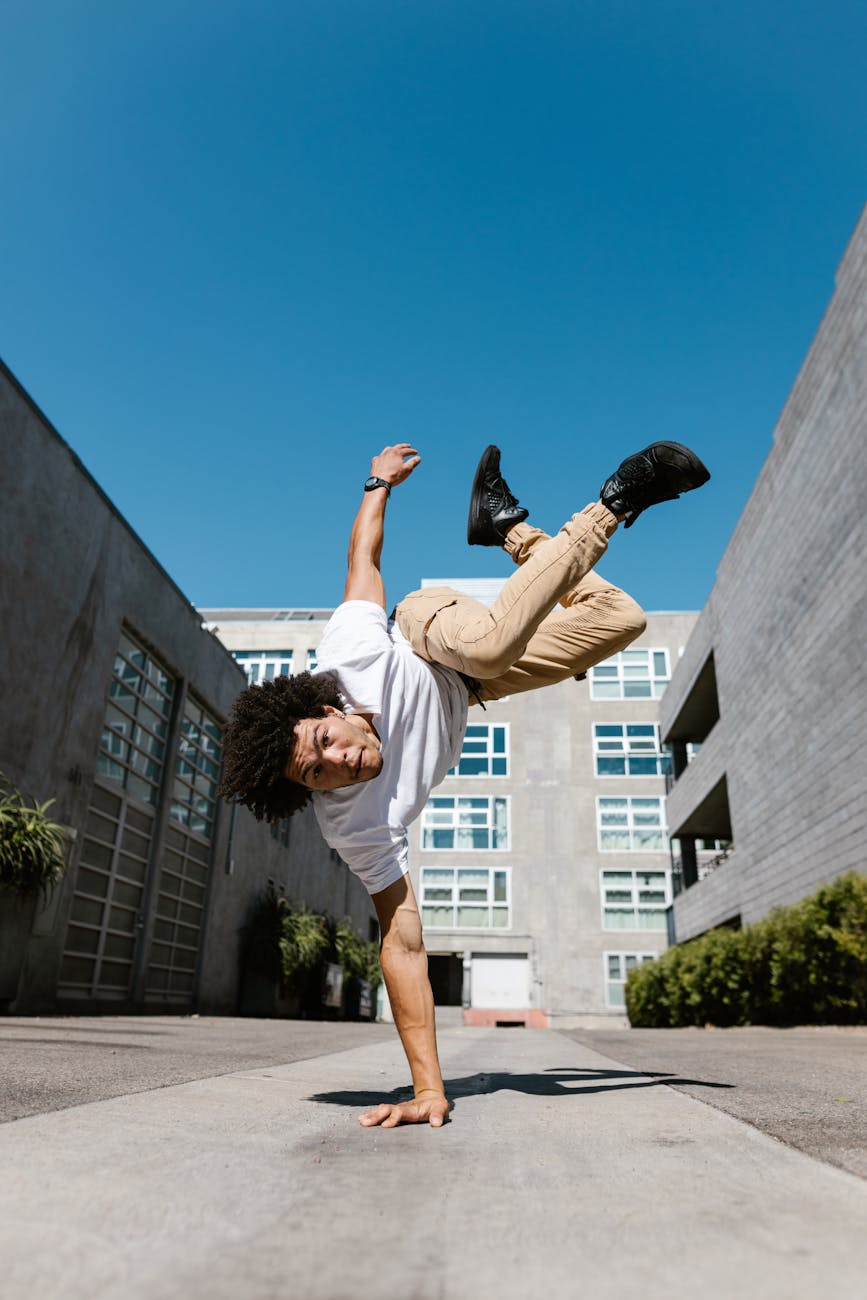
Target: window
column 132, row 745
column 635, row 900
column 485, row 751
column 197, row 770
column 312, row 660
column 631, row 825
column 464, row 822
column 264, row 665
column 629, row 749
column 617, row 967
column 630, row 675
column 460, row 898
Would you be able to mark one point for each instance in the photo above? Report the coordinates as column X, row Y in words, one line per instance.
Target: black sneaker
column 659, row 473
column 493, row 509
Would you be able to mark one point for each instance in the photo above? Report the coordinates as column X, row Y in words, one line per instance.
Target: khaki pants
column 523, row 641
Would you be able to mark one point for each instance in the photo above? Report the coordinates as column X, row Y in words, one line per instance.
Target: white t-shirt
column 420, row 714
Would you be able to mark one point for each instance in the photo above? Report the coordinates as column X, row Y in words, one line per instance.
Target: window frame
column 635, row 906
column 193, row 802
column 619, row 663
column 629, row 800
column 425, row 824
column 261, row 660
column 493, row 905
column 133, row 748
column 490, row 752
column 621, row 954
column 661, row 753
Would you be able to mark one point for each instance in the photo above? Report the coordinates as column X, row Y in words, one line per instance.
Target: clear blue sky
column 246, row 244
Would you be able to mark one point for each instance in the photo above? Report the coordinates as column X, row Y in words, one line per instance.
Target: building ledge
column 710, row 902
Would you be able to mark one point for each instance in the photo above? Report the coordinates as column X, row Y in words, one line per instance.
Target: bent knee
column 635, row 619
column 627, row 618
column 486, row 662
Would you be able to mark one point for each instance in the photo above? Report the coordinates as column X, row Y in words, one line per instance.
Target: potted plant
column 361, row 970
column 32, row 860
column 303, row 950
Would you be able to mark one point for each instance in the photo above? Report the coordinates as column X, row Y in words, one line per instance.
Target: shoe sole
column 696, row 471
column 490, row 457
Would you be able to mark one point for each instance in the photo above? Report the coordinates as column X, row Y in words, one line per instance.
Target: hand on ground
column 432, row 1109
column 395, row 464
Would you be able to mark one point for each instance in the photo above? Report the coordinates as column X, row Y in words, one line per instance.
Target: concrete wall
column 787, row 624
column 73, row 572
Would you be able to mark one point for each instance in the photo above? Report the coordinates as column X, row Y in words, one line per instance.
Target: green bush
column 359, row 960
column 805, row 964
column 307, row 940
column 646, row 1002
column 304, row 942
column 31, row 845
column 818, row 955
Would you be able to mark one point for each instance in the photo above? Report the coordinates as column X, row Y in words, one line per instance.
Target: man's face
column 334, row 751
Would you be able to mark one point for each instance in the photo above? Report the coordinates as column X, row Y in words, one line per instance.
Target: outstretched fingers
column 433, row 1110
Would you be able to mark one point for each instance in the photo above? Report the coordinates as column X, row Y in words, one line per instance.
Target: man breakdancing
column 381, row 721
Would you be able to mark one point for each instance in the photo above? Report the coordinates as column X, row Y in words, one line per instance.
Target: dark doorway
column 446, row 972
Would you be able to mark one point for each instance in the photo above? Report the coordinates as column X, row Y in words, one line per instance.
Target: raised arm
column 404, row 966
column 363, row 578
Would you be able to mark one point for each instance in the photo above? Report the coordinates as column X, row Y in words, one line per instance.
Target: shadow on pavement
column 551, row 1083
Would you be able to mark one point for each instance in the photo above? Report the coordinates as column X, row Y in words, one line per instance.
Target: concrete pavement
column 562, row 1172
column 50, row 1062
column 806, row 1086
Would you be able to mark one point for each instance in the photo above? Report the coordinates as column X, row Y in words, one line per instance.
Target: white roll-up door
column 500, row 981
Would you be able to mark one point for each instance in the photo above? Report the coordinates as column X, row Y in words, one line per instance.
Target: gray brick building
column 769, row 701
column 114, row 701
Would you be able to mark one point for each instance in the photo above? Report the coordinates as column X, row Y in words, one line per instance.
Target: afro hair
column 260, row 738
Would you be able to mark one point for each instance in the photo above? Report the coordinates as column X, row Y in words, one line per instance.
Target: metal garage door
column 116, row 901
column 185, row 860
column 104, row 924
column 500, row 981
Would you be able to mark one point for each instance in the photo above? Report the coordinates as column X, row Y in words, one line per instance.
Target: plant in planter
column 373, row 975
column 360, row 962
column 351, row 951
column 31, row 861
column 304, row 948
column 31, row 845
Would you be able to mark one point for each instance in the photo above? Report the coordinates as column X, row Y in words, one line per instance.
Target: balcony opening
column 703, row 842
column 698, row 716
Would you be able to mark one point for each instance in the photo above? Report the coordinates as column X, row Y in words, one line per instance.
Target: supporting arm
column 404, row 966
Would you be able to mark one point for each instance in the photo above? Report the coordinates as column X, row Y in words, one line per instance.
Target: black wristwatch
column 374, row 482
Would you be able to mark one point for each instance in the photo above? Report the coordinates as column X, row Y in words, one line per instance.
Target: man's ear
column 331, row 711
